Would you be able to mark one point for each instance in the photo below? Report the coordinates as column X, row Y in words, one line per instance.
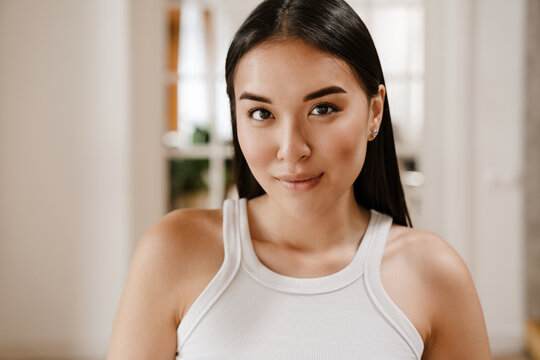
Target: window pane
column 193, row 106
column 224, row 31
column 417, row 39
column 390, row 30
column 192, row 57
column 223, row 117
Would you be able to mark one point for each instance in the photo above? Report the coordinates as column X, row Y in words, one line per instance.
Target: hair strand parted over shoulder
column 334, row 27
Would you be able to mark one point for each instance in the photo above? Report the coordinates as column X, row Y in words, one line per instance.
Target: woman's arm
column 458, row 329
column 146, row 322
column 173, row 263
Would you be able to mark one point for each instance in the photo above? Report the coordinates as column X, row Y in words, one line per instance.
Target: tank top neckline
column 315, row 285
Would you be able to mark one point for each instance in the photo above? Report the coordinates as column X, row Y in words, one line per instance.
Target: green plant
column 187, row 176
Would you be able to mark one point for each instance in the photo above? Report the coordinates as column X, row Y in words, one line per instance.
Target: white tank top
column 248, row 311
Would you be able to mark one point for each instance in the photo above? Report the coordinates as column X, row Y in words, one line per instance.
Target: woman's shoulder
column 431, row 259
column 426, row 253
column 440, row 293
column 183, row 233
column 184, row 250
column 183, row 227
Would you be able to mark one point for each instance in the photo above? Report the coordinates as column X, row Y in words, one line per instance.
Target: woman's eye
column 260, row 114
column 323, row 109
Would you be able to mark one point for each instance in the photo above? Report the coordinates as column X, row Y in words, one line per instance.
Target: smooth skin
column 287, row 127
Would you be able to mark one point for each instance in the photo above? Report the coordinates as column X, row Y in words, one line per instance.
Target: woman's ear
column 376, row 112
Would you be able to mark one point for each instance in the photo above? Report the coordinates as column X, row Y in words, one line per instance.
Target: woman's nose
column 293, row 145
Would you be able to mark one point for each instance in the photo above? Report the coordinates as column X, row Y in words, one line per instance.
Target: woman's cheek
column 254, row 145
column 347, row 143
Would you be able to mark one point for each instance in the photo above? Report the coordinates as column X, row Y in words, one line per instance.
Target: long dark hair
column 333, row 27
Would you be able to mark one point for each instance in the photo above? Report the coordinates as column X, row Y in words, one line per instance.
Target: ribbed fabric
column 248, row 311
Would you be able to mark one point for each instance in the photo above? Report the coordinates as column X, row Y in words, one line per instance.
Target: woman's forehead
column 292, row 62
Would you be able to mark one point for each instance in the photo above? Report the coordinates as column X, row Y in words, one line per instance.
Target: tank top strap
column 377, row 242
column 231, row 227
column 375, row 288
column 222, row 279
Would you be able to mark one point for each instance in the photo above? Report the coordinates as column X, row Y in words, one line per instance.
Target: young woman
column 317, row 259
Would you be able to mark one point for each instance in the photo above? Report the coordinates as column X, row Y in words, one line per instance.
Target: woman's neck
column 340, row 225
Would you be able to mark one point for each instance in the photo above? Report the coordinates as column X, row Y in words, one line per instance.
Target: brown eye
column 260, row 114
column 323, row 109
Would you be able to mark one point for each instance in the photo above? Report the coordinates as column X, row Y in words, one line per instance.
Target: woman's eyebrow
column 323, row 92
column 314, row 95
column 250, row 96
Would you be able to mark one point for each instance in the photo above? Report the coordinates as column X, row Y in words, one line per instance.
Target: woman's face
column 303, row 122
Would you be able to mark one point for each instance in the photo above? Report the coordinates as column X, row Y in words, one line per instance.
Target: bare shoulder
column 183, row 232
column 437, row 292
column 428, row 255
column 187, row 245
column 173, row 262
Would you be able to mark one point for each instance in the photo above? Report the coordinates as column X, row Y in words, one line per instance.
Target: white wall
column 66, row 154
column 149, row 186
column 473, row 150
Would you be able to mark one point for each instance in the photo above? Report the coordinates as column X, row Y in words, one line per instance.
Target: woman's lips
column 300, row 182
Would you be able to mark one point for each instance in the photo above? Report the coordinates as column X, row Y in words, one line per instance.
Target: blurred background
column 114, row 112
